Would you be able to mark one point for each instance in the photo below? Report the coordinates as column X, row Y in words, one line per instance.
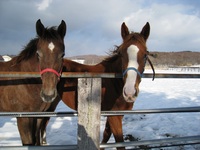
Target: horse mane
column 113, row 55
column 28, row 51
column 31, row 48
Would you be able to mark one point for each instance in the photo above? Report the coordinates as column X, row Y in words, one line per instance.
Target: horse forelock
column 51, row 34
column 137, row 37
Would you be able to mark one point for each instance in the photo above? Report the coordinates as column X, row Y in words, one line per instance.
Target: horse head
column 134, row 55
column 50, row 52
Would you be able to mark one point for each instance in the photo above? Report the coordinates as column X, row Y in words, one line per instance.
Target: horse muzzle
column 48, row 97
column 50, row 78
column 130, row 97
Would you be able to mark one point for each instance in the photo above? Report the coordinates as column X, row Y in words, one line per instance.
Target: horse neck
column 9, row 65
column 114, row 66
column 25, row 65
column 102, row 67
column 30, row 65
column 4, row 66
column 72, row 66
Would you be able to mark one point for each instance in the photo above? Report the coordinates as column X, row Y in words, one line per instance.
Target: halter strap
column 151, row 67
column 132, row 68
column 52, row 71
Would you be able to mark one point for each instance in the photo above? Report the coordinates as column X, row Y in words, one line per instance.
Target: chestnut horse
column 33, row 94
column 119, row 93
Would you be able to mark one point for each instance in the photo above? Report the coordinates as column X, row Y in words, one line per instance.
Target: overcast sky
column 93, row 26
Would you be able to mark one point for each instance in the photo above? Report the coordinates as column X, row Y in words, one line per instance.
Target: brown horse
column 33, row 94
column 119, row 93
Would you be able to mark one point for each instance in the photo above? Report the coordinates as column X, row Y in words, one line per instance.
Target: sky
column 94, row 26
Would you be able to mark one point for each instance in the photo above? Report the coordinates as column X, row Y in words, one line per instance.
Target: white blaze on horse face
column 129, row 87
column 51, row 46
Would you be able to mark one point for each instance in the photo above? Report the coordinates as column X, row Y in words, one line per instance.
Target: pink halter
column 51, row 70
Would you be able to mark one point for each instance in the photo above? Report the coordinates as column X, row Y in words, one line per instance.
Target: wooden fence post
column 89, row 113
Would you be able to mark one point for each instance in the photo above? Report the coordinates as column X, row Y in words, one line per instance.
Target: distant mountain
column 89, row 59
column 170, row 59
column 163, row 59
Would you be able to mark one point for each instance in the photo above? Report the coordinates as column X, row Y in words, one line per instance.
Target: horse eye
column 39, row 54
column 60, row 56
column 145, row 58
column 63, row 55
column 119, row 54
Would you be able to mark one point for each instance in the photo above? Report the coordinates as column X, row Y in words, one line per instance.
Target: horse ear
column 62, row 29
column 145, row 31
column 39, row 28
column 124, row 31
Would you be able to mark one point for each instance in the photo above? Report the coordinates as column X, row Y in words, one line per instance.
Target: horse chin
column 130, row 99
column 48, row 98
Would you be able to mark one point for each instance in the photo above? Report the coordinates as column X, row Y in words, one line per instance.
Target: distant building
column 185, row 68
column 79, row 60
column 6, row 58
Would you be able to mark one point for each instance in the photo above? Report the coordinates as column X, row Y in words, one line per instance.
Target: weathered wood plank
column 89, row 106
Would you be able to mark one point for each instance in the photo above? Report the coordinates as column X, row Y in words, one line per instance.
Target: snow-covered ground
column 160, row 93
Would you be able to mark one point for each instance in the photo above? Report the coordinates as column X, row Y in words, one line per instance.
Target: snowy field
column 160, row 93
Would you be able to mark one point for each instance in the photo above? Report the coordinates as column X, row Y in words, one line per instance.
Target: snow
column 160, row 93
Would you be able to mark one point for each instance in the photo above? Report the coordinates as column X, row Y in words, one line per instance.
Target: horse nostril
column 48, row 97
column 127, row 92
column 124, row 92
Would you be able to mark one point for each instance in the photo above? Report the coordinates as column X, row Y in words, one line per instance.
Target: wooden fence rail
column 94, row 75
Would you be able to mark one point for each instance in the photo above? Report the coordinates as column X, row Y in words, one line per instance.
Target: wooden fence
column 89, row 117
